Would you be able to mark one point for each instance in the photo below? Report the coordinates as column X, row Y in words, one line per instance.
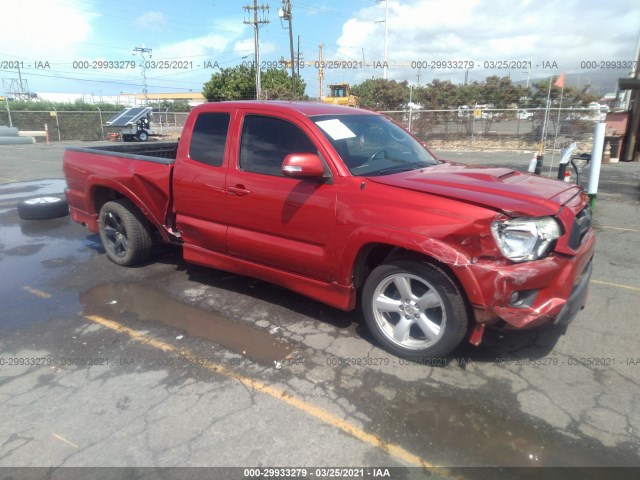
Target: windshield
column 373, row 144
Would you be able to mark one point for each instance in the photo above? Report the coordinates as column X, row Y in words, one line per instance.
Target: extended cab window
column 266, row 141
column 209, row 137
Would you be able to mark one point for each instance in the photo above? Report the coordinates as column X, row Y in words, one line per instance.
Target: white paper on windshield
column 336, row 129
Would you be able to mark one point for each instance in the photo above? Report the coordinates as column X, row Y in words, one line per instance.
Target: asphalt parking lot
column 174, row 365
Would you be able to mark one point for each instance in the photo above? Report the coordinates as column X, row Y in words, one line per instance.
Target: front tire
column 124, row 233
column 143, row 136
column 414, row 309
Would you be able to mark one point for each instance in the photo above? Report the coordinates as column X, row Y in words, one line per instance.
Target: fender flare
column 94, row 182
column 441, row 252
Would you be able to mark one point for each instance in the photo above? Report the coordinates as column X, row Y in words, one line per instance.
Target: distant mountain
column 600, row 82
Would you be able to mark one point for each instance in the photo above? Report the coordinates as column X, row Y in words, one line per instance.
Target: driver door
column 282, row 222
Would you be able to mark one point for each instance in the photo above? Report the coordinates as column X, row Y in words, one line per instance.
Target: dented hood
column 510, row 191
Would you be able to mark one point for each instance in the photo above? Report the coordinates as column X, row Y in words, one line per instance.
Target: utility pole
column 386, row 23
column 257, row 22
column 634, row 103
column 143, row 51
column 285, row 13
column 320, row 72
column 298, row 57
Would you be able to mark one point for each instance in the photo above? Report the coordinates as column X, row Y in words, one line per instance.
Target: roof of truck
column 305, row 108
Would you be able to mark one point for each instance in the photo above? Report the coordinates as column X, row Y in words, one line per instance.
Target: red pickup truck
column 346, row 207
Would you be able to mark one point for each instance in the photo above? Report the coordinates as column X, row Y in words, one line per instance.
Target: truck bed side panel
column 146, row 182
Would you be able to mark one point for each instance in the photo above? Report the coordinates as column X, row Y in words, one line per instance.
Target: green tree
column 172, row 106
column 235, row 83
column 276, row 85
column 441, row 94
column 239, row 83
column 494, row 90
column 500, row 92
column 572, row 96
column 381, row 93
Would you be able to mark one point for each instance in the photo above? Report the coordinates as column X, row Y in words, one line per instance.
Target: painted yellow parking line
column 36, row 292
column 622, row 229
column 325, row 416
column 62, row 439
column 617, row 285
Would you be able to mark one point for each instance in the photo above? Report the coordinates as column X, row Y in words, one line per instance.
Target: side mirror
column 303, row 165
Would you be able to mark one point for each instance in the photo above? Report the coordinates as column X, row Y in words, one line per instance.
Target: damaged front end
column 539, row 272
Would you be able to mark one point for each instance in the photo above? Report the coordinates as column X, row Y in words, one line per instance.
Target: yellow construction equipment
column 340, row 94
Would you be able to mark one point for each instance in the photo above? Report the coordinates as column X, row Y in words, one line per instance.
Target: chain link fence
column 456, row 129
column 500, row 129
column 85, row 126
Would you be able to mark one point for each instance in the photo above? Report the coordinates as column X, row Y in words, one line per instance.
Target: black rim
column 116, row 235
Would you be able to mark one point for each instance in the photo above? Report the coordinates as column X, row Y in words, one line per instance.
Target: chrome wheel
column 42, row 201
column 43, row 208
column 414, row 309
column 409, row 311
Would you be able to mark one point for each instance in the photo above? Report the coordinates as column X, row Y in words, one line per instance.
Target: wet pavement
column 170, row 364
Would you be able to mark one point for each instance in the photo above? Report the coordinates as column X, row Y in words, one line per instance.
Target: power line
column 98, row 81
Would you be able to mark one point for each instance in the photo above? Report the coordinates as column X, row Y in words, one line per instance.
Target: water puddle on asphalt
column 477, row 434
column 11, row 193
column 151, row 305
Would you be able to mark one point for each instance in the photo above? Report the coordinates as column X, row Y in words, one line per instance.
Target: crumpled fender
column 441, row 252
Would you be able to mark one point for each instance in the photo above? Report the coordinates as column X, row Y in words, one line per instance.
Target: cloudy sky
column 52, row 41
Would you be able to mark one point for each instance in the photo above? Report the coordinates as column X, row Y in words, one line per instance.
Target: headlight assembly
column 524, row 239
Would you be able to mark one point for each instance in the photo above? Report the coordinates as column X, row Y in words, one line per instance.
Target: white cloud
column 246, row 46
column 193, row 47
column 226, row 39
column 565, row 32
column 152, row 20
column 42, row 30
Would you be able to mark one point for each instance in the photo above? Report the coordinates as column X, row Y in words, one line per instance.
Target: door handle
column 238, row 190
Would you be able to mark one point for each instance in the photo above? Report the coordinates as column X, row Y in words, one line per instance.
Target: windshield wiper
column 406, row 167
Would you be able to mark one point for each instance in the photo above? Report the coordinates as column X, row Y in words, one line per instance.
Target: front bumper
column 577, row 300
column 548, row 291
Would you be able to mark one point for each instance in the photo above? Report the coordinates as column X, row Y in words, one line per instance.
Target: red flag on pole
column 559, row 81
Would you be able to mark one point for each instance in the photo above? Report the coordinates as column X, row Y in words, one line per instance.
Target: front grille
column 581, row 226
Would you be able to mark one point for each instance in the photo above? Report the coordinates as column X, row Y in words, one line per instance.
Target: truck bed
column 159, row 152
column 140, row 172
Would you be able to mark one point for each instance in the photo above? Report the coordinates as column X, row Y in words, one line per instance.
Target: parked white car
column 524, row 115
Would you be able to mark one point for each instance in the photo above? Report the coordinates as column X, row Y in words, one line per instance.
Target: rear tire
column 125, row 233
column 143, row 136
column 414, row 309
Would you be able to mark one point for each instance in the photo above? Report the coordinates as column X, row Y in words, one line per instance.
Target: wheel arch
column 101, row 193
column 359, row 260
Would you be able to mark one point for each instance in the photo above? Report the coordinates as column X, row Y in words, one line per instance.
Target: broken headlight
column 524, row 239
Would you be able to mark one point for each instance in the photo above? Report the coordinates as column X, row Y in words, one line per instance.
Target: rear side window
column 209, row 137
column 266, row 141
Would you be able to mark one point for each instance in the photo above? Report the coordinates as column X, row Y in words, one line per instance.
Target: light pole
column 142, row 51
column 386, row 23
